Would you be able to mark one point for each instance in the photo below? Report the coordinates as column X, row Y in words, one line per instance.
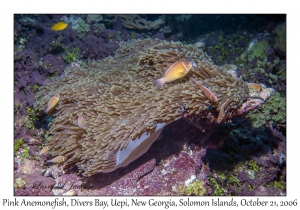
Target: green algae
column 25, row 149
column 25, row 153
column 19, row 183
column 18, row 144
column 258, row 50
column 98, row 27
column 196, row 189
column 221, row 180
column 17, row 106
column 280, row 39
column 272, row 112
column 132, row 35
column 280, row 185
column 35, row 88
column 116, row 36
column 71, row 56
column 277, row 184
column 252, row 165
column 30, row 119
column 81, row 28
column 56, row 47
column 218, row 190
column 227, row 47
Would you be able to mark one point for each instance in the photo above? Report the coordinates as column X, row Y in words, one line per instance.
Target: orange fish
column 59, row 26
column 178, row 70
column 52, row 102
column 210, row 95
column 221, row 113
column 44, row 150
column 57, row 159
column 255, row 86
column 80, row 121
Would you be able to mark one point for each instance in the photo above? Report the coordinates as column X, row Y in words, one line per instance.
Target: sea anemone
column 123, row 111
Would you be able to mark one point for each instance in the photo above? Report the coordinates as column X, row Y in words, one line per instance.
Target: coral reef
column 256, row 49
column 280, row 40
column 136, row 22
column 193, row 155
column 254, row 164
column 94, row 18
column 261, row 64
column 52, row 44
column 273, row 113
column 79, row 25
column 224, row 48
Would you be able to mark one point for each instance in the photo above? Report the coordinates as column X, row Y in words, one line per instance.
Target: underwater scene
column 150, row 104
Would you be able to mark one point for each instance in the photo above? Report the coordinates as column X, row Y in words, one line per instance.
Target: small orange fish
column 221, row 113
column 59, row 26
column 52, row 102
column 44, row 150
column 210, row 95
column 178, row 70
column 80, row 121
column 57, row 159
column 255, row 86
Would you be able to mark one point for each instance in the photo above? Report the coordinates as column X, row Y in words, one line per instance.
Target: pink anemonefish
column 176, row 71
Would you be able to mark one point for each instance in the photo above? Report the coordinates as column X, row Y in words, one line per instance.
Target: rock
column 54, row 171
column 27, row 166
column 36, row 184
